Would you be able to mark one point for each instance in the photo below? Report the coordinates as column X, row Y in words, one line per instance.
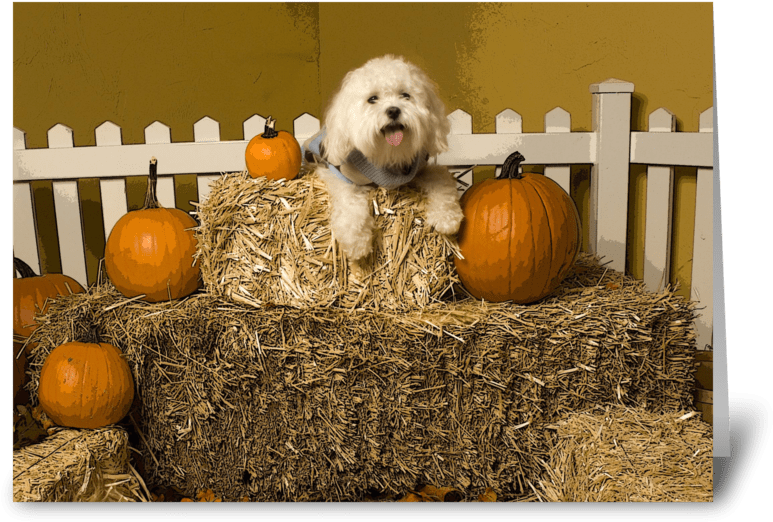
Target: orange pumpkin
column 519, row 238
column 273, row 154
column 31, row 293
column 150, row 250
column 86, row 385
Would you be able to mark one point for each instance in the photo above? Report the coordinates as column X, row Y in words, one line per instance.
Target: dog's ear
column 336, row 143
column 437, row 141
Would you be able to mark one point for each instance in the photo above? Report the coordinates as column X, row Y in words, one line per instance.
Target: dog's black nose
column 393, row 112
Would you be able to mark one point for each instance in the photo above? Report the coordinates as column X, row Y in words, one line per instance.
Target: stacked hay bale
column 77, row 466
column 628, row 455
column 262, row 241
column 326, row 386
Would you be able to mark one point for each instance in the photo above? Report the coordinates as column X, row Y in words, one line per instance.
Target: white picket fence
column 609, row 148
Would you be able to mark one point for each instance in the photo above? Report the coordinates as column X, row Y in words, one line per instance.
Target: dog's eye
column 406, row 96
column 372, row 99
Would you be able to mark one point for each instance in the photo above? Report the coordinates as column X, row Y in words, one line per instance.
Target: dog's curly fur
column 356, row 118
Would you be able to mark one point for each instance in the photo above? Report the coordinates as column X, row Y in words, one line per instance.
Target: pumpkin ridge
column 535, row 206
column 510, row 242
column 498, row 268
column 569, row 247
column 572, row 248
column 84, row 374
column 540, row 195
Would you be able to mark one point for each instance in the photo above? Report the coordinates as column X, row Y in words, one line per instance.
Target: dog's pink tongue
column 395, row 138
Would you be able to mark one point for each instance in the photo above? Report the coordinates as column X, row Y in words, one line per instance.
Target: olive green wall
column 82, row 64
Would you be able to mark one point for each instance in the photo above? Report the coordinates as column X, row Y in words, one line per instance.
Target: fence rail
column 610, row 148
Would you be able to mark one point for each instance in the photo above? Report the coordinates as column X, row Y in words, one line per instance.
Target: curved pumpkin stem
column 151, row 200
column 510, row 168
column 23, row 268
column 268, row 131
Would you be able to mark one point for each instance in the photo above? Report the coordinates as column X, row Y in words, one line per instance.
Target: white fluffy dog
column 380, row 128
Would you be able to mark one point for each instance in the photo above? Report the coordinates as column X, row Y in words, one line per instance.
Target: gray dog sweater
column 382, row 176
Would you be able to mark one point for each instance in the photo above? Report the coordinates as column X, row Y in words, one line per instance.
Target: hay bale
column 631, row 455
column 263, row 241
column 76, row 466
column 283, row 403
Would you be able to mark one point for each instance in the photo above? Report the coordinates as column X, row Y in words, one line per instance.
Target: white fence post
column 609, row 175
column 703, row 245
column 657, row 238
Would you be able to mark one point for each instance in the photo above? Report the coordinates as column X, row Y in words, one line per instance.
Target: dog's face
column 389, row 110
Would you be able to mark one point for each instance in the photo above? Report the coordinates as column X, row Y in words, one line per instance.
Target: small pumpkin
column 273, row 154
column 85, row 385
column 150, row 250
column 519, row 238
column 31, row 293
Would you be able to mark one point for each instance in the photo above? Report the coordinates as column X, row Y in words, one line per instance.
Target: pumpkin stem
column 93, row 336
column 151, row 200
column 511, row 167
column 268, row 131
column 23, row 268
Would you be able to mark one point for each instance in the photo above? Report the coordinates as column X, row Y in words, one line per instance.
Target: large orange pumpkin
column 273, row 154
column 519, row 238
column 86, row 385
column 150, row 250
column 31, row 293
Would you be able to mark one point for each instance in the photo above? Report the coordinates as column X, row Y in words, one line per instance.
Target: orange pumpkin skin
column 151, row 249
column 519, row 238
column 273, row 154
column 85, row 385
column 30, row 297
column 30, row 293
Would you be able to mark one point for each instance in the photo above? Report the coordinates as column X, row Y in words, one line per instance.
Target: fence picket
column 108, row 134
column 206, row 130
column 559, row 120
column 657, row 232
column 112, row 191
column 461, row 125
column 507, row 122
column 305, row 126
column 703, row 245
column 158, row 133
column 70, row 231
column 25, row 245
column 253, row 126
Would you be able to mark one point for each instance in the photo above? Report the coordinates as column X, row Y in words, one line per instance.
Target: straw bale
column 322, row 403
column 264, row 241
column 618, row 454
column 77, row 466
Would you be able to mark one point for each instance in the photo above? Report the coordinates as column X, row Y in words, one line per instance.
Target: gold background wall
column 133, row 64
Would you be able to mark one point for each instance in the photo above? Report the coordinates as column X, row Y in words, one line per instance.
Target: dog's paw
column 356, row 243
column 445, row 220
column 356, row 250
